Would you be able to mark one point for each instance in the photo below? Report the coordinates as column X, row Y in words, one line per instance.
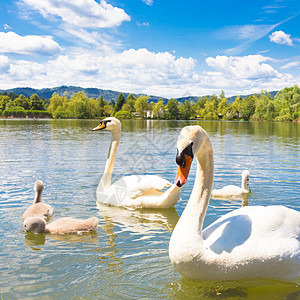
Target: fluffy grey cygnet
column 65, row 225
column 38, row 209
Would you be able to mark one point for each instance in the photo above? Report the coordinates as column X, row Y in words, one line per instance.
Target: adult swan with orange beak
column 134, row 191
column 250, row 242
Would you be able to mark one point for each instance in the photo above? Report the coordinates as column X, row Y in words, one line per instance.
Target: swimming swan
column 137, row 191
column 65, row 225
column 38, row 209
column 233, row 190
column 250, row 242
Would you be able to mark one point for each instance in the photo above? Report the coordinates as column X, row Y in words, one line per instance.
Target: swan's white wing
column 140, row 184
column 126, row 191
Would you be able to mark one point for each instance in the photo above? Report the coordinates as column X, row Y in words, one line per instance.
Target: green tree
column 287, row 103
column 222, row 107
column 102, row 103
column 264, row 107
column 186, row 110
column 159, row 110
column 123, row 114
column 22, row 101
column 36, row 103
column 93, row 108
column 141, row 106
column 59, row 113
column 82, row 110
column 3, row 102
column 199, row 106
column 172, row 112
column 55, row 101
column 130, row 101
column 234, row 108
column 120, row 102
column 247, row 108
column 210, row 110
column 108, row 110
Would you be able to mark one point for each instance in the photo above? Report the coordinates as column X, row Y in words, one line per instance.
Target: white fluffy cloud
column 243, row 67
column 131, row 70
column 279, row 37
column 11, row 42
column 4, row 64
column 142, row 71
column 81, row 13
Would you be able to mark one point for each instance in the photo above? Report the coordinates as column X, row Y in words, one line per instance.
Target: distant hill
column 70, row 90
column 108, row 95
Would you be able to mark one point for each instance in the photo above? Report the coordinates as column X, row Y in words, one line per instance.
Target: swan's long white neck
column 244, row 183
column 196, row 207
column 109, row 166
column 188, row 230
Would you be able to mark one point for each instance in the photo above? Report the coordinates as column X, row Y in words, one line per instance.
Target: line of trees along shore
column 285, row 106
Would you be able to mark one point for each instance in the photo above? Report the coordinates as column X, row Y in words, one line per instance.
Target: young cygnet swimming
column 38, row 209
column 65, row 225
column 233, row 190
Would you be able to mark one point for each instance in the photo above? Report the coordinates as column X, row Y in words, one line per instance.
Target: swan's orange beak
column 183, row 171
column 100, row 126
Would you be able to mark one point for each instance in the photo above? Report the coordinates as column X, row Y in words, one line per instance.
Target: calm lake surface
column 127, row 258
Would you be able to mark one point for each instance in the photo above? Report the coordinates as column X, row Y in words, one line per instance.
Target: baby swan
column 65, row 225
column 233, row 190
column 38, row 209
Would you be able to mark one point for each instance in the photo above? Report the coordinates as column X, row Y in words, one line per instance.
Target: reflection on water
column 242, row 199
column 34, row 240
column 245, row 289
column 127, row 257
column 139, row 221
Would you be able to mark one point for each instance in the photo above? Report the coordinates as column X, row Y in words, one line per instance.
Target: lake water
column 127, row 258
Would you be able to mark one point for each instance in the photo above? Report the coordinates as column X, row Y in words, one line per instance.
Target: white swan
column 137, row 191
column 38, row 209
column 233, row 190
column 64, row 225
column 250, row 242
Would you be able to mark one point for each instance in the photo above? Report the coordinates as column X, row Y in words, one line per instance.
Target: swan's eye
column 180, row 156
column 106, row 123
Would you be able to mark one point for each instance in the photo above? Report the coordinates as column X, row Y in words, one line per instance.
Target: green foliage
column 123, row 115
column 159, row 110
column 258, row 107
column 60, row 113
column 36, row 103
column 3, row 102
column 247, row 107
column 16, row 111
column 222, row 108
column 130, row 102
column 20, row 112
column 38, row 114
column 172, row 112
column 186, row 110
column 22, row 101
column 141, row 106
column 120, row 102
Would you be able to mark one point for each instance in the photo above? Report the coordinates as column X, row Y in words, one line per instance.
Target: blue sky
column 165, row 48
